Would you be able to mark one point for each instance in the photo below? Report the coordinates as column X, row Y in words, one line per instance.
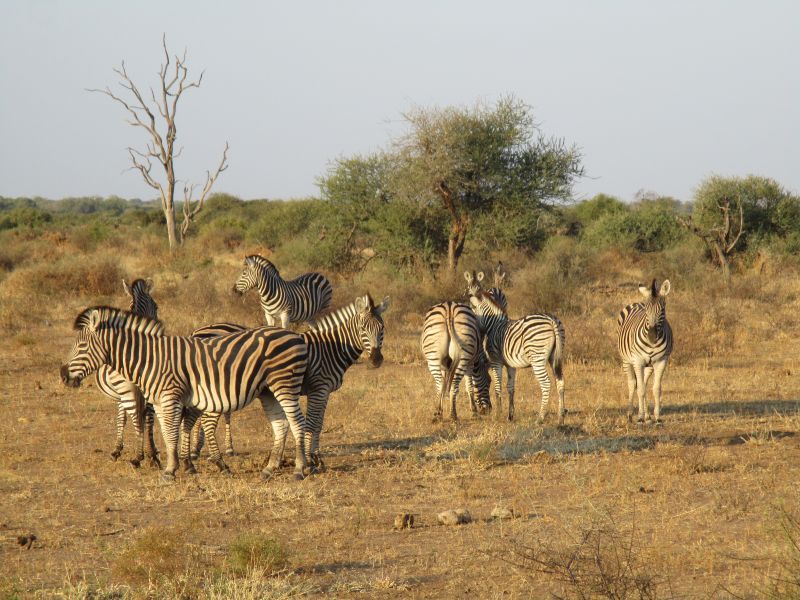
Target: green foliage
column 453, row 169
column 647, row 226
column 768, row 209
column 24, row 216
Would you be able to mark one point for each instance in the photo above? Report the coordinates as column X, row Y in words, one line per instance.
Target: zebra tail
column 452, row 365
column 558, row 351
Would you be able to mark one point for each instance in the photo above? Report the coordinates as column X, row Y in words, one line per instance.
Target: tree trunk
column 168, row 206
column 455, row 245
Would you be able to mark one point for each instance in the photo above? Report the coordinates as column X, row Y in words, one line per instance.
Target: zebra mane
column 115, row 318
column 494, row 305
column 337, row 317
column 264, row 263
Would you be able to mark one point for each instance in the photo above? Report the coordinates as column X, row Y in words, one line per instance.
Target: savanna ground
column 702, row 507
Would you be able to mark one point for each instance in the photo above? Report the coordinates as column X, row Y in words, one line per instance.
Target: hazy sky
column 658, row 95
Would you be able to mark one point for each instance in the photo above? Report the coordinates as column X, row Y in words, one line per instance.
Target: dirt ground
column 697, row 508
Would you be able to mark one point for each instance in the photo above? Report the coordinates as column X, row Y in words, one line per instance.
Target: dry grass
column 693, row 509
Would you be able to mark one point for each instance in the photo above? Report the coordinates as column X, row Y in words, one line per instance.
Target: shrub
column 252, row 551
column 159, row 553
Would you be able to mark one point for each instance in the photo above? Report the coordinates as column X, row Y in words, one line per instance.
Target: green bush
column 253, row 551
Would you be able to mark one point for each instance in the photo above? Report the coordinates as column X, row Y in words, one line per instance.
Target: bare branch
column 190, row 211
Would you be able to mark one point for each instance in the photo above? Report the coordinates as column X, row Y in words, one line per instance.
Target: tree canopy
column 455, row 167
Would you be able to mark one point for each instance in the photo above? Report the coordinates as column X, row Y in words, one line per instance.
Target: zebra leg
column 641, row 392
column 190, row 416
column 285, row 320
column 199, row 440
column 540, row 372
column 169, row 412
column 297, row 423
column 315, row 416
column 436, row 371
column 648, row 372
column 277, row 419
column 630, row 375
column 512, row 376
column 496, row 371
column 659, row 368
column 228, row 435
column 471, row 394
column 149, row 422
column 208, row 424
column 122, row 417
column 270, row 319
column 454, row 387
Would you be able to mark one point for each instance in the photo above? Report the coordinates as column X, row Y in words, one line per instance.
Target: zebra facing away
column 292, row 301
column 130, row 401
column 186, row 377
column 534, row 340
column 452, row 345
column 334, row 344
column 644, row 341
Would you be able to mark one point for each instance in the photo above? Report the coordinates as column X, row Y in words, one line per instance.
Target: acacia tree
column 162, row 133
column 452, row 165
column 721, row 240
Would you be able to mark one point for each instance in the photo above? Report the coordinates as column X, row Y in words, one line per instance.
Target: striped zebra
column 534, row 340
column 334, row 344
column 292, row 301
column 451, row 343
column 644, row 341
column 186, row 377
column 129, row 399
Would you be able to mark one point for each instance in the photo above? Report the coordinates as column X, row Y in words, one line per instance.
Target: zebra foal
column 534, row 340
column 451, row 343
column 644, row 342
column 186, row 377
column 293, row 301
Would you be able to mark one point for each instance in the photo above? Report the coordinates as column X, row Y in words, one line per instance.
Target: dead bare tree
column 160, row 148
column 720, row 240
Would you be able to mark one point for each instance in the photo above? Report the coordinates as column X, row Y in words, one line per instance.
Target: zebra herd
column 223, row 367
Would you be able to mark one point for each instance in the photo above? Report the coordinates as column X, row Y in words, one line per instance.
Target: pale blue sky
column 658, row 95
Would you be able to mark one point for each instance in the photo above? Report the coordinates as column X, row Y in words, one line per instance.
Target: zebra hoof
column 153, row 461
column 189, row 468
column 230, row 452
column 658, row 423
column 136, row 462
column 266, row 474
column 167, row 477
column 194, row 455
column 116, row 454
column 299, row 477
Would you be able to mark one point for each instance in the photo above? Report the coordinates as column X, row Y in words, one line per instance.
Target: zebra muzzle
column 375, row 359
column 69, row 381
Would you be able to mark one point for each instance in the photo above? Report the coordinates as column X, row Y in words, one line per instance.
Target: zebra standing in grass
column 292, row 301
column 452, row 345
column 334, row 344
column 645, row 342
column 186, row 377
column 128, row 397
column 534, row 340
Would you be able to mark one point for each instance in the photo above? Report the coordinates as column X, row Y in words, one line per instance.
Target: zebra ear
column 361, row 304
column 468, row 276
column 149, row 284
column 384, row 305
column 94, row 320
column 665, row 288
column 127, row 288
column 645, row 291
column 480, row 276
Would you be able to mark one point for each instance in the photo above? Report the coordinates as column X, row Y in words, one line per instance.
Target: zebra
column 186, row 377
column 644, row 341
column 334, row 344
column 451, row 343
column 292, row 301
column 534, row 340
column 128, row 397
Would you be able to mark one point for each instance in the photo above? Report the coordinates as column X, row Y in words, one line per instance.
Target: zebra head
column 655, row 307
column 88, row 352
column 142, row 302
column 473, row 282
column 370, row 327
column 475, row 290
column 256, row 269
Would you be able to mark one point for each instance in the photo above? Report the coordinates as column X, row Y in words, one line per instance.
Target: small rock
column 498, row 512
column 454, row 517
column 403, row 521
